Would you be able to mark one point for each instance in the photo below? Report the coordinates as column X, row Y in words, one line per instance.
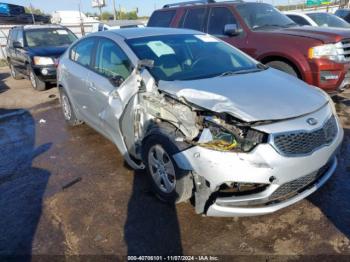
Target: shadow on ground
column 333, row 198
column 21, row 185
column 3, row 86
column 152, row 226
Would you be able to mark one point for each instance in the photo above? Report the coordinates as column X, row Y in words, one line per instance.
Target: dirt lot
column 67, row 191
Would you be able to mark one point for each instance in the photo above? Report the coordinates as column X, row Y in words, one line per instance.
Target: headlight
column 332, row 52
column 40, row 60
column 219, row 136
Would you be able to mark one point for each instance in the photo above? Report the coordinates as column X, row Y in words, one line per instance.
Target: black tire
column 67, row 109
column 37, row 84
column 15, row 75
column 283, row 66
column 183, row 186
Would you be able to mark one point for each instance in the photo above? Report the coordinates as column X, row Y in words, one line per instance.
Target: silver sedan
column 203, row 118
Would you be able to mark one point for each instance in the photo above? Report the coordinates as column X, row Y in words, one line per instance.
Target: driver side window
column 218, row 18
column 111, row 61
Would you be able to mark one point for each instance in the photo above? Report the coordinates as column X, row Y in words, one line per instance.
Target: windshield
column 49, row 37
column 259, row 16
column 188, row 57
column 324, row 19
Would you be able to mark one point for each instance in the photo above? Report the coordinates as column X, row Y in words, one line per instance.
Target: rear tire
column 67, row 109
column 15, row 75
column 170, row 183
column 37, row 84
column 283, row 66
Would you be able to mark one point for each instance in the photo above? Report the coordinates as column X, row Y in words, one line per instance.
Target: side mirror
column 116, row 80
column 232, row 30
column 17, row 44
column 145, row 63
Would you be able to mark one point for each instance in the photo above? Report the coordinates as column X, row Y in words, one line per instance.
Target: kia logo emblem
column 312, row 121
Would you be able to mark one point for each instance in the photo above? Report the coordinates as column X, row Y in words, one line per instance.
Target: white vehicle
column 98, row 27
column 71, row 17
column 317, row 19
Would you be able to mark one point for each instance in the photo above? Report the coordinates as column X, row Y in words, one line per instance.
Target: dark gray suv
column 32, row 50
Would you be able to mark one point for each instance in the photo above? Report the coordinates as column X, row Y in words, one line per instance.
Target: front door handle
column 92, row 86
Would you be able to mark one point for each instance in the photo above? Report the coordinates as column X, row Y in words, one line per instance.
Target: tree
column 107, row 15
column 34, row 10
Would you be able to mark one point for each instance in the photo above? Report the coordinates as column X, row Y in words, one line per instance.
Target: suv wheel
column 283, row 66
column 15, row 75
column 37, row 84
column 170, row 183
column 67, row 109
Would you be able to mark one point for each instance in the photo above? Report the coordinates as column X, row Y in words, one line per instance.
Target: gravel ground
column 67, row 191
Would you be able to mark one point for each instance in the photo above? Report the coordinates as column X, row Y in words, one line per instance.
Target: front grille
column 304, row 142
column 288, row 189
column 345, row 49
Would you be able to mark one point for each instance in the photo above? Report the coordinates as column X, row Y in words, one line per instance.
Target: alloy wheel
column 162, row 169
column 67, row 112
column 32, row 79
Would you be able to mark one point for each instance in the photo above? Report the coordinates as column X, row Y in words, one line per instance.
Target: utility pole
column 31, row 11
column 82, row 29
column 114, row 10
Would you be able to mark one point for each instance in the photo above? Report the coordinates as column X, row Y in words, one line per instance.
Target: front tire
column 170, row 183
column 37, row 84
column 67, row 109
column 283, row 66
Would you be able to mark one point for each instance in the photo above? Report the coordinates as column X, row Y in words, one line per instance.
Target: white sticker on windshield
column 62, row 32
column 207, row 38
column 160, row 48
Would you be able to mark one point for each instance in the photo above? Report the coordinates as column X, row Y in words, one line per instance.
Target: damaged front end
column 197, row 127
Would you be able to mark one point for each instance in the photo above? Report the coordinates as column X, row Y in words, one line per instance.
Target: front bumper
column 228, row 209
column 45, row 73
column 264, row 165
column 338, row 73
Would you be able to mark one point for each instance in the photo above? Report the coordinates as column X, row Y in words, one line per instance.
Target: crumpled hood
column 324, row 34
column 265, row 95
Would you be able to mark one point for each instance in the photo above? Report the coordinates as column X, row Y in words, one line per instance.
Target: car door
column 218, row 18
column 195, row 18
column 21, row 53
column 11, row 50
column 107, row 98
column 77, row 73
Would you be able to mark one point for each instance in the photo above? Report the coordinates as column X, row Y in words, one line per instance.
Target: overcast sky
column 145, row 6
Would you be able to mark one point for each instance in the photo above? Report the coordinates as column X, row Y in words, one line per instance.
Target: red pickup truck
column 319, row 56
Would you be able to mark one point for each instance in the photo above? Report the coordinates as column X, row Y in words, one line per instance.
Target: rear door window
column 195, row 19
column 299, row 20
column 161, row 18
column 82, row 52
column 218, row 18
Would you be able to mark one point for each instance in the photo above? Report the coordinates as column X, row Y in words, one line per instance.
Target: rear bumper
column 229, row 210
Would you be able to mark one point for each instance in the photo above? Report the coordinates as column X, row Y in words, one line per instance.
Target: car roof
column 30, row 27
column 130, row 33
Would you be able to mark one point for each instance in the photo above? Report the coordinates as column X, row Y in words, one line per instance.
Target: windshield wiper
column 265, row 26
column 290, row 25
column 259, row 67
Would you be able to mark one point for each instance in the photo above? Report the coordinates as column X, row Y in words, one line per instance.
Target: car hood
column 51, row 51
column 324, row 34
column 260, row 96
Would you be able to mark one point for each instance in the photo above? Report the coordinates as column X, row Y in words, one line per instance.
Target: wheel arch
column 288, row 61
